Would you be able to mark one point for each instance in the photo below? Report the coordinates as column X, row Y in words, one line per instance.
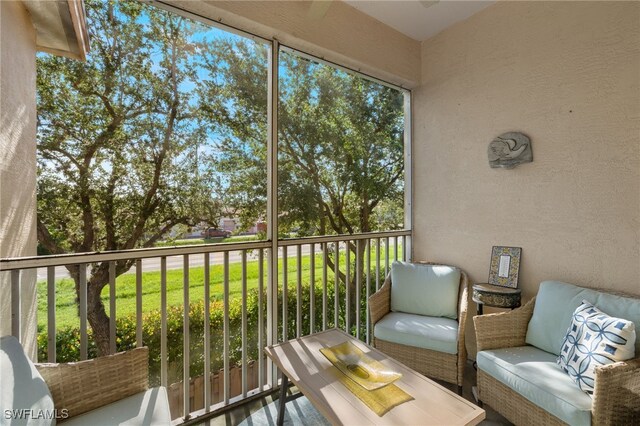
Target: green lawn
column 67, row 314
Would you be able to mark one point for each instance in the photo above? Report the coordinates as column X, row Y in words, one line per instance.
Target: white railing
column 354, row 279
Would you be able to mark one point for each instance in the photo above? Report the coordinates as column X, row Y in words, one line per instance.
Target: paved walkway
column 175, row 262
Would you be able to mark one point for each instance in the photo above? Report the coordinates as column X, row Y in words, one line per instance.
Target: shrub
column 68, row 339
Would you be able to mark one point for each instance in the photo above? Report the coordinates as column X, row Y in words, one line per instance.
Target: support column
column 18, row 164
column 272, row 208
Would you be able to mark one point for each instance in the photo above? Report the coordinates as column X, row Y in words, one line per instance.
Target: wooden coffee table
column 301, row 361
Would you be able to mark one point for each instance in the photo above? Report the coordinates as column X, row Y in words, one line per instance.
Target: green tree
column 166, row 125
column 341, row 141
column 120, row 145
column 341, row 146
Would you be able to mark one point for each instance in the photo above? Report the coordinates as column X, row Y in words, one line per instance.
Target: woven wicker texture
column 504, row 329
column 514, row 407
column 380, row 302
column 86, row 385
column 616, row 398
column 437, row 365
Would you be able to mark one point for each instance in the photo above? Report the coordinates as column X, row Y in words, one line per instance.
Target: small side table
column 495, row 296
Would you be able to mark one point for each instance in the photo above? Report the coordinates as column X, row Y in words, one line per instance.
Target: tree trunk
column 98, row 318
column 96, row 313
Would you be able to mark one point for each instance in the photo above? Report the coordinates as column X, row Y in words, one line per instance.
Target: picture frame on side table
column 505, row 266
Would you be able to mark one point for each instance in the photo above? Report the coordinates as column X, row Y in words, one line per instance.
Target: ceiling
column 419, row 19
column 60, row 27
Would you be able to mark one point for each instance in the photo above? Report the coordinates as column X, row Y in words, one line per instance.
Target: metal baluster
column 163, row 322
column 336, row 284
column 347, row 278
column 395, row 244
column 285, row 296
column 324, row 286
column 244, row 323
column 139, row 303
column 112, row 308
column 386, row 256
column 51, row 311
column 260, row 320
column 368, row 289
column 377, row 264
column 299, row 293
column 404, row 248
column 358, row 284
column 186, row 374
column 207, row 332
column 225, row 346
column 312, row 287
column 82, row 270
column 16, row 315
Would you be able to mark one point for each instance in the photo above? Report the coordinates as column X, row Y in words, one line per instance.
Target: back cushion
column 430, row 290
column 555, row 305
column 73, row 384
column 22, row 387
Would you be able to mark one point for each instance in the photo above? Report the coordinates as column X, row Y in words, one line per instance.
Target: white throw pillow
column 593, row 339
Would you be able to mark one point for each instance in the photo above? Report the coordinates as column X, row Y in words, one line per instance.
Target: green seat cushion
column 22, row 388
column 434, row 333
column 534, row 374
column 145, row 408
column 425, row 289
column 555, row 304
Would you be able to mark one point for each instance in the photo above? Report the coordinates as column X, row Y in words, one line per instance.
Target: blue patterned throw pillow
column 594, row 338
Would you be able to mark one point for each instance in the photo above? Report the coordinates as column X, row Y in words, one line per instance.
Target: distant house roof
column 61, row 27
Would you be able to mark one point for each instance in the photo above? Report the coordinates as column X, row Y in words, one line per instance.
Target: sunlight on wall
column 566, row 74
column 18, row 162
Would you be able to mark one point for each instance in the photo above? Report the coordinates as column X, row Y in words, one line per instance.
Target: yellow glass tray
column 356, row 365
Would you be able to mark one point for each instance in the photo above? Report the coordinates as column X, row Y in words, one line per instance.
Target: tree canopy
column 118, row 141
column 165, row 124
column 341, row 146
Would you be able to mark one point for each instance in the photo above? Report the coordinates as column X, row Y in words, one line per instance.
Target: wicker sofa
column 446, row 366
column 524, row 383
column 108, row 390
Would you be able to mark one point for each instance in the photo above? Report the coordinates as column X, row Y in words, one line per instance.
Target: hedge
column 68, row 339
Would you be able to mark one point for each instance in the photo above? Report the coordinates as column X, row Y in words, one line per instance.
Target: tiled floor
column 237, row 415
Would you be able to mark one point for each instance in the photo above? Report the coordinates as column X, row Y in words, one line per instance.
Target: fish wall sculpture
column 509, row 150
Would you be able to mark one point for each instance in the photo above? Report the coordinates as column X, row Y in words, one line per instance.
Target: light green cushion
column 22, row 387
column 425, row 289
column 434, row 333
column 556, row 303
column 535, row 375
column 145, row 408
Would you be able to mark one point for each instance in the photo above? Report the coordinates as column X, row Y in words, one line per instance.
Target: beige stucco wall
column 18, row 160
column 567, row 74
column 343, row 34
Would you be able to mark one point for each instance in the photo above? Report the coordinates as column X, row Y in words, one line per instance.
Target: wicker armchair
column 434, row 364
column 113, row 389
column 616, row 398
